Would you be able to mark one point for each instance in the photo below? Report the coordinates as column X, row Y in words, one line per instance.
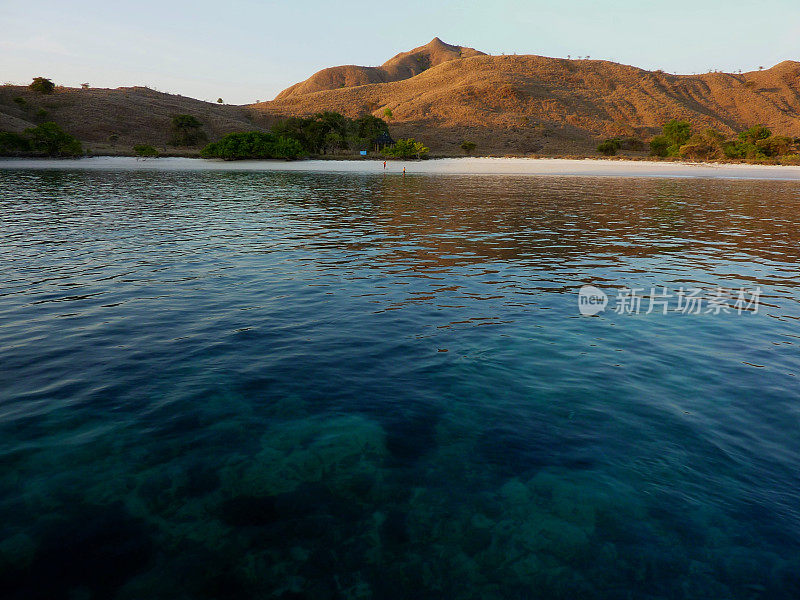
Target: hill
column 520, row 104
column 443, row 94
column 114, row 120
column 403, row 66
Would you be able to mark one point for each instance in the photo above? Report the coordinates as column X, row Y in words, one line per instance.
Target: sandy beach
column 449, row 166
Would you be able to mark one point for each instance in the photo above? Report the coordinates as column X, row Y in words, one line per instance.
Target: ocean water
column 289, row 385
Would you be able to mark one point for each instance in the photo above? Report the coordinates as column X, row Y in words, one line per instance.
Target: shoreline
column 439, row 166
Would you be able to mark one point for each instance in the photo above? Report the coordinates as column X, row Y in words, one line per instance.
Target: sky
column 244, row 51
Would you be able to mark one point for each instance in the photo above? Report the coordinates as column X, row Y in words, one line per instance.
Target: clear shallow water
column 286, row 385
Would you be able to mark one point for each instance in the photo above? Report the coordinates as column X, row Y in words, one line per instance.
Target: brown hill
column 525, row 103
column 114, row 120
column 403, row 66
column 443, row 94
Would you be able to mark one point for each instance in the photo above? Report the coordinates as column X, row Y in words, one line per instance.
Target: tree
column 609, row 147
column 370, row 128
column 12, row 144
column 331, row 131
column 253, row 144
column 42, row 85
column 145, row 151
column 754, row 134
column 84, row 86
column 219, row 100
column 49, row 139
column 187, row 130
column 387, row 113
column 704, row 146
column 468, row 147
column 409, row 148
column 678, row 132
column 659, row 146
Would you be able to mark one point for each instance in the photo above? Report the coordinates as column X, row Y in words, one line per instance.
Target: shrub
column 704, row 146
column 42, row 85
column 219, row 100
column 388, row 114
column 42, row 115
column 677, row 132
column 409, row 148
column 253, row 144
column 12, row 144
column 145, row 150
column 609, row 147
column 659, row 146
column 776, row 145
column 632, row 143
column 754, row 134
column 187, row 130
column 467, row 147
column 48, row 139
column 758, row 143
column 19, row 100
column 331, row 131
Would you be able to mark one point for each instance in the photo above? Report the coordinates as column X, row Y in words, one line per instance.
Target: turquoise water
column 297, row 385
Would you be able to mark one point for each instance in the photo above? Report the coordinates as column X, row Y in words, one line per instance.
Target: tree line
column 679, row 140
column 757, row 143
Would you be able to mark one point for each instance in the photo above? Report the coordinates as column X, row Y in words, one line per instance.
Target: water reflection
column 284, row 385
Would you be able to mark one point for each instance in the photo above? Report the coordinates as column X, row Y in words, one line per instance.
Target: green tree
column 678, row 132
column 609, row 147
column 145, row 151
column 330, row 131
column 659, row 146
column 219, row 100
column 775, row 145
column 42, row 85
column 12, row 144
column 370, row 128
column 754, row 134
column 253, row 145
column 187, row 130
column 707, row 145
column 388, row 114
column 468, row 147
column 408, row 148
column 49, row 139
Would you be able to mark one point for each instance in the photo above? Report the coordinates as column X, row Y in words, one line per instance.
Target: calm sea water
column 294, row 385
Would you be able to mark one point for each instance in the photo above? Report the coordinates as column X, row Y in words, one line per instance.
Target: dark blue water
column 286, row 385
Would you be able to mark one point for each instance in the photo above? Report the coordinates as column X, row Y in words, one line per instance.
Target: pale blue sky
column 246, row 51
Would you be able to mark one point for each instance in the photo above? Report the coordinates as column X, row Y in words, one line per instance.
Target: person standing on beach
column 384, row 165
column 404, row 171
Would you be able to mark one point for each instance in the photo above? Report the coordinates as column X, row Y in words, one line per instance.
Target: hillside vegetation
column 445, row 96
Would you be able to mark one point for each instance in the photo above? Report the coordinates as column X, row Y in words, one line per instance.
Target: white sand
column 448, row 166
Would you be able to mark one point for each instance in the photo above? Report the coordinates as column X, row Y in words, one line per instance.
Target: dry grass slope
column 443, row 94
column 114, row 120
column 519, row 104
column 403, row 66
